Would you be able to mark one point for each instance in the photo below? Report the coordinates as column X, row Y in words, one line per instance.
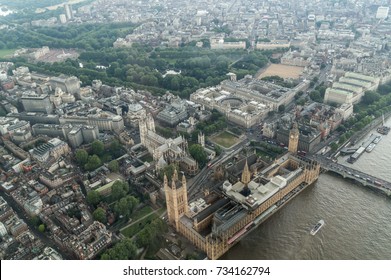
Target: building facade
column 76, row 135
column 350, row 88
column 103, row 120
column 37, row 103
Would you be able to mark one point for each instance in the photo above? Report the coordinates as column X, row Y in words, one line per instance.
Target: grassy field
column 136, row 228
column 225, row 139
column 141, row 213
column 5, row 53
column 265, row 156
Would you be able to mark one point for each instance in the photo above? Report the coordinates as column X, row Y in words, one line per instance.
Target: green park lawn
column 225, row 139
column 141, row 213
column 6, row 52
column 137, row 227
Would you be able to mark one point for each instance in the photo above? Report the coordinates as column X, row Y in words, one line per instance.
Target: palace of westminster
column 235, row 209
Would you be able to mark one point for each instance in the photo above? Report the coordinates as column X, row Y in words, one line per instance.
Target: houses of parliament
column 218, row 221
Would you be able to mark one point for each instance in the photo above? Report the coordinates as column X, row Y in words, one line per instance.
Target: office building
column 76, row 135
column 66, row 84
column 350, row 88
column 68, row 11
column 382, row 12
column 37, row 103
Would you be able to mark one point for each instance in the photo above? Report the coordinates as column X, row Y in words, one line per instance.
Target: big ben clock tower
column 293, row 139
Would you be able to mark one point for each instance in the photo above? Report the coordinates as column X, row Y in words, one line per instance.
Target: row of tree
column 150, row 236
column 279, row 81
column 118, row 190
column 373, row 105
column 123, row 208
column 139, row 67
column 272, row 150
column 385, row 89
column 217, row 122
column 84, row 36
column 98, row 155
column 318, row 93
column 123, row 250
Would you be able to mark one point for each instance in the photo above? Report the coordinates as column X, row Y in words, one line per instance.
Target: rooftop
column 254, row 194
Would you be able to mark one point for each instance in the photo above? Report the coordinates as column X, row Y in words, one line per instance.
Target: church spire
column 246, row 174
column 150, row 123
column 183, row 180
column 165, row 180
column 175, row 175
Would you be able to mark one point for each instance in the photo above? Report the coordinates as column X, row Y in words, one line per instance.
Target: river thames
column 357, row 219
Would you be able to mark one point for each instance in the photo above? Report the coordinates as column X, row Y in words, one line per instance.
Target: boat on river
column 317, row 227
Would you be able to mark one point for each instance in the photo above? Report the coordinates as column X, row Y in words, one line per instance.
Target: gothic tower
column 246, row 174
column 293, row 139
column 150, row 123
column 176, row 198
column 143, row 131
column 201, row 139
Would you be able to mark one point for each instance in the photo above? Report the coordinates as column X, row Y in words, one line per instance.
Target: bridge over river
column 353, row 174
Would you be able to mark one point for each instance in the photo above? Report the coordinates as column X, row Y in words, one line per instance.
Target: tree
column 144, row 237
column 125, row 206
column 149, row 80
column 370, row 97
column 41, row 228
column 115, row 149
column 151, row 235
column 100, row 215
column 301, row 101
column 93, row 197
column 93, row 163
column 218, row 150
column 341, row 128
column 123, row 250
column 316, row 96
column 36, row 221
column 97, row 147
column 342, row 139
column 384, row 89
column 334, row 146
column 81, row 157
column 119, row 189
column 175, row 83
column 199, row 154
column 281, row 108
column 113, row 166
